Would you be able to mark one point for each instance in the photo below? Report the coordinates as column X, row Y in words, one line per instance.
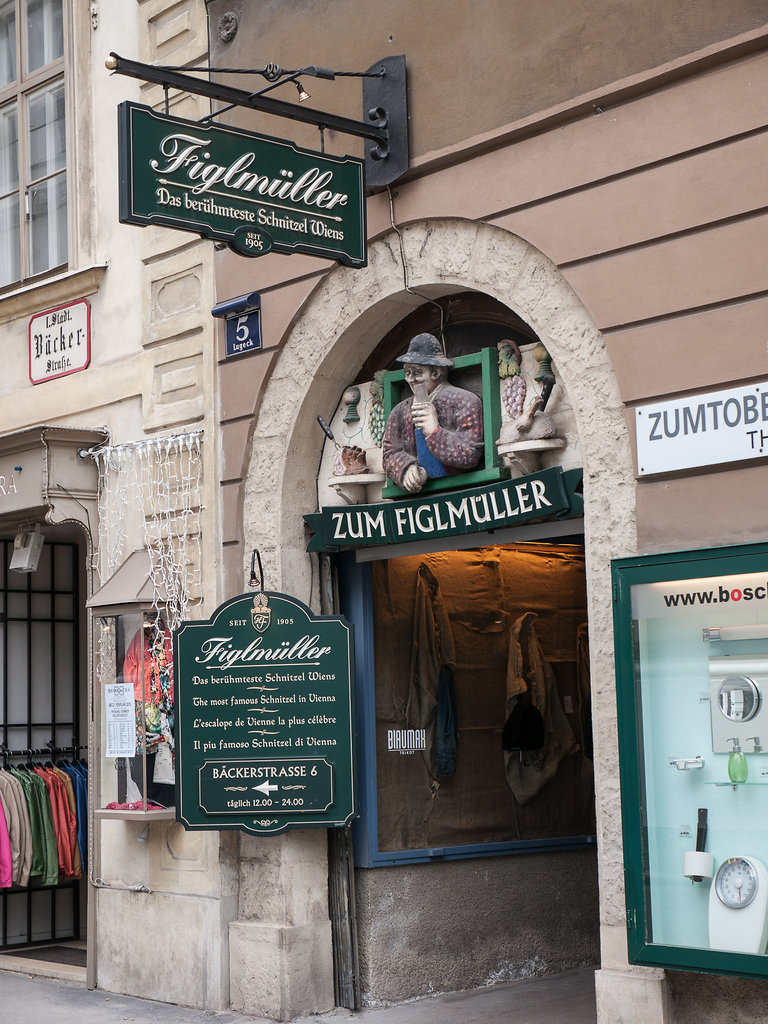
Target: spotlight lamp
column 27, row 548
column 303, row 94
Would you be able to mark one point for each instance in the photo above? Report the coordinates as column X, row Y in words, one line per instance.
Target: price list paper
column 120, row 720
column 264, row 718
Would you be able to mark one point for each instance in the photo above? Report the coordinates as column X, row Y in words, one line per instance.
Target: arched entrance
column 338, row 329
column 343, row 321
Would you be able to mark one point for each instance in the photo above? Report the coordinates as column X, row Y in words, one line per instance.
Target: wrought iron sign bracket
column 384, row 101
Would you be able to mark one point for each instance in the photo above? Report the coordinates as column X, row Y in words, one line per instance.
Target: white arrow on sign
column 266, row 788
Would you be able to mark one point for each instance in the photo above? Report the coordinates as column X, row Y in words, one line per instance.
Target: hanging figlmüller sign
column 264, row 718
column 253, row 192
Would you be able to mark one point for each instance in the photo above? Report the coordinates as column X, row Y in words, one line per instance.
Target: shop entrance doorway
column 41, row 747
column 481, row 702
column 477, row 817
column 481, row 836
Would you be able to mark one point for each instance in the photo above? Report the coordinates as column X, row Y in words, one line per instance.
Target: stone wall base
column 627, row 998
column 281, row 971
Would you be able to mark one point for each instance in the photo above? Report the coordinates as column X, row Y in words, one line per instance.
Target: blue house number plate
column 244, row 332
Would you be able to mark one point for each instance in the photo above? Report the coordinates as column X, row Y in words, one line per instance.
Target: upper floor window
column 33, row 150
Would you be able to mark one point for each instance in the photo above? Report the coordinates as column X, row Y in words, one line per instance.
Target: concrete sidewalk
column 560, row 999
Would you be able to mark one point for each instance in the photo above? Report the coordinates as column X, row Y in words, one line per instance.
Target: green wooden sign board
column 550, row 492
column 254, row 192
column 264, row 718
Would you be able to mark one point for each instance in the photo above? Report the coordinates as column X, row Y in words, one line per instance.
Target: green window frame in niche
column 678, row 797
column 490, row 470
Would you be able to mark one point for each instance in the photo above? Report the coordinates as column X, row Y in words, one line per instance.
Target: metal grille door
column 39, row 701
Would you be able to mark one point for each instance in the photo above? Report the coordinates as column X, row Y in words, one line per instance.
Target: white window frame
column 19, row 91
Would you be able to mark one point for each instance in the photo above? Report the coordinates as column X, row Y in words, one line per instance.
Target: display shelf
column 155, row 814
column 734, row 785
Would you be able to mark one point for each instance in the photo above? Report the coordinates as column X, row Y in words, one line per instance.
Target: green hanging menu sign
column 264, row 718
column 253, row 192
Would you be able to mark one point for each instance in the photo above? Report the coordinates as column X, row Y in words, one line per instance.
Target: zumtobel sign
column 264, row 718
column 709, row 429
column 251, row 191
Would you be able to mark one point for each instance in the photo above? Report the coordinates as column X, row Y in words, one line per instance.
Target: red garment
column 143, row 689
column 64, row 822
column 70, row 815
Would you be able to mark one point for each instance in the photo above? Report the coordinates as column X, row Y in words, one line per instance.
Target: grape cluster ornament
column 514, row 387
column 376, row 419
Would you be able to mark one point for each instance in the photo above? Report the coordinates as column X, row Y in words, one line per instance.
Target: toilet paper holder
column 684, row 764
column 698, row 865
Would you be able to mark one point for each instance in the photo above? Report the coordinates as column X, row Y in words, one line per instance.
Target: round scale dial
column 736, row 883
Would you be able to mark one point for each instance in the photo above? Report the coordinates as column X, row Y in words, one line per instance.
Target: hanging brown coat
column 530, row 678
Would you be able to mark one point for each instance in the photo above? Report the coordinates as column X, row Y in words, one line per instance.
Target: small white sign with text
column 60, row 341
column 703, row 430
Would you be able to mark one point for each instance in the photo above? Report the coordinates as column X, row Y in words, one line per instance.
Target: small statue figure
column 349, row 461
column 439, row 431
column 532, row 424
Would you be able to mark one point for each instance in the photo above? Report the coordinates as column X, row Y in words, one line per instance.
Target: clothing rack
column 50, row 834
column 50, row 748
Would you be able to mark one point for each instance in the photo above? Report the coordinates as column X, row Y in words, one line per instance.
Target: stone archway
column 339, row 326
column 352, row 309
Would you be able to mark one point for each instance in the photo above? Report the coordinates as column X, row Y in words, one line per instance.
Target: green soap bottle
column 737, row 763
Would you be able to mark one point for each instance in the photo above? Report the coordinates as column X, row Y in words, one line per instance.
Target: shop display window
column 692, row 679
column 133, row 697
column 458, row 647
column 135, row 677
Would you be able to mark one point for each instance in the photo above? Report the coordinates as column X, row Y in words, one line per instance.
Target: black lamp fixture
column 385, row 104
column 254, row 580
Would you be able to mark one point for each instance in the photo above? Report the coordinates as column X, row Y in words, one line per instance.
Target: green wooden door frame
column 626, row 573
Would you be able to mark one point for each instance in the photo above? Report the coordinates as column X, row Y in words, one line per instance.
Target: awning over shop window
column 130, row 586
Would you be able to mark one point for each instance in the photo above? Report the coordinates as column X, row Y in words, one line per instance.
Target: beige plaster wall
column 479, row 65
column 153, row 373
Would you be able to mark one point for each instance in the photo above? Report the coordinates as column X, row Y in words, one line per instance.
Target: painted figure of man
column 439, row 431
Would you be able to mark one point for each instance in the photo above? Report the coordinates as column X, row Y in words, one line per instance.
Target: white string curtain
column 159, row 482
